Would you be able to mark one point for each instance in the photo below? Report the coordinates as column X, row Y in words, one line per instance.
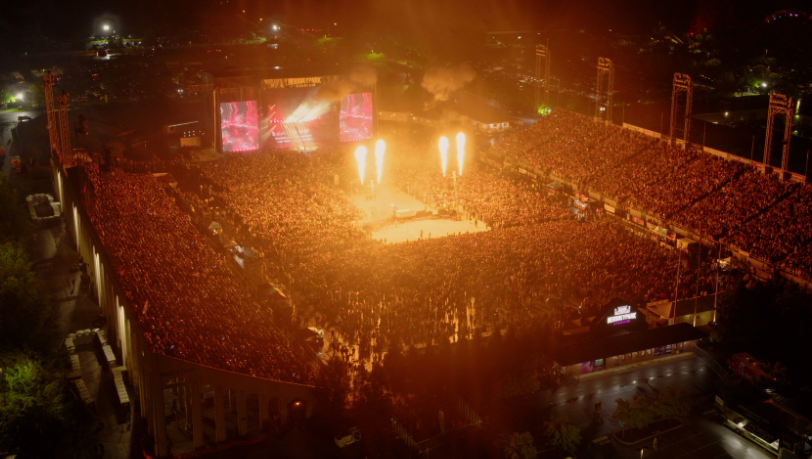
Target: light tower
column 682, row 83
column 779, row 105
column 53, row 128
column 64, row 130
column 605, row 68
column 542, row 54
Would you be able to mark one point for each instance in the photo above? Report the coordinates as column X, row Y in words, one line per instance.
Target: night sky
column 66, row 19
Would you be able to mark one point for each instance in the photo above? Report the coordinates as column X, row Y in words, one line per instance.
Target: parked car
column 24, row 118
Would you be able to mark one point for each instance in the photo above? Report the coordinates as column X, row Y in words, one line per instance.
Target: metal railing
column 709, row 361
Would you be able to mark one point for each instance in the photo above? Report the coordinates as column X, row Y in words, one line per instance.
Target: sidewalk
column 11, row 149
column 52, row 255
column 637, row 366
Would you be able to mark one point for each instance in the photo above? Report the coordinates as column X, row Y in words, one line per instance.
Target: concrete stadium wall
column 151, row 375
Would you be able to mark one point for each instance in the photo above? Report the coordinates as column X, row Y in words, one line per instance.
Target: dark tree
column 34, row 414
column 332, row 388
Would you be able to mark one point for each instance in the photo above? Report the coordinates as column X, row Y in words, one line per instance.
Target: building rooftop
column 601, row 348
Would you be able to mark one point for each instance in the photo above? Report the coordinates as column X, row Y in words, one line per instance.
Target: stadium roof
column 624, row 344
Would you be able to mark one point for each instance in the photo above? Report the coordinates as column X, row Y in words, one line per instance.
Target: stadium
column 208, row 272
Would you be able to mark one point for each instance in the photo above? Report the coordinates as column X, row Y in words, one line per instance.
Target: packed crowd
column 485, row 192
column 188, row 301
column 429, row 289
column 781, row 234
column 724, row 200
column 495, row 198
column 435, row 289
column 284, row 204
column 733, row 204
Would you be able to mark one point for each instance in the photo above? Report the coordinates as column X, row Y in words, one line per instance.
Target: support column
column 159, row 415
column 242, row 413
column 187, row 403
column 264, row 411
column 146, row 403
column 197, row 415
column 231, row 402
column 283, row 411
column 143, row 370
column 219, row 415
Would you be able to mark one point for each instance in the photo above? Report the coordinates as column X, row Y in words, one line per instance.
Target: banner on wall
column 609, row 208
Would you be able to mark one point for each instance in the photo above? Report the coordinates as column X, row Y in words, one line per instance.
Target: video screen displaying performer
column 298, row 119
column 355, row 118
column 238, row 126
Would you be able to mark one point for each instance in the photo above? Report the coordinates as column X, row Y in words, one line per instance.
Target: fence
column 470, row 415
column 403, row 434
column 709, row 361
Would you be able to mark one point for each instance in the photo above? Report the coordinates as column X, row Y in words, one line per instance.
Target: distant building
column 408, row 104
column 482, row 115
column 55, row 71
column 621, row 334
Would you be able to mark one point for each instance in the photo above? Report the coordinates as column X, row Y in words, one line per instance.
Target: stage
column 388, row 199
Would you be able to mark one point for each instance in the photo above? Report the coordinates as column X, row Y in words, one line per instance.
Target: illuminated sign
column 620, row 310
column 623, row 315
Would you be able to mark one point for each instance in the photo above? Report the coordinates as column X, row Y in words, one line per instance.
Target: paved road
column 701, row 437
column 578, row 401
column 8, row 121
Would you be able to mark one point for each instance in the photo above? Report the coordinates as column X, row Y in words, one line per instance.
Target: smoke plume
column 335, row 91
column 442, row 81
column 363, row 74
column 360, row 75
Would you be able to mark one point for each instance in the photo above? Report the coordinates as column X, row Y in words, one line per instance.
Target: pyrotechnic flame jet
column 361, row 157
column 444, row 152
column 460, row 150
column 380, row 147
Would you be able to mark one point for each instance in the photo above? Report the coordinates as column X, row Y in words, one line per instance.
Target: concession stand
column 620, row 335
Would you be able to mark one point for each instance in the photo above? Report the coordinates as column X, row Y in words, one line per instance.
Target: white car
column 353, row 435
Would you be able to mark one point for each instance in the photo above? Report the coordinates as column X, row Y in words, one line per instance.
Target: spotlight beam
column 361, row 157
column 460, row 150
column 444, row 153
column 380, row 148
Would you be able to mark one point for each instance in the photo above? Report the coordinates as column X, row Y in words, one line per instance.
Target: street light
column 105, row 27
column 19, row 96
column 276, row 27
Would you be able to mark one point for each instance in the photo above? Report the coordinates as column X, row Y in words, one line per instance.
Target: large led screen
column 238, row 126
column 355, row 118
column 298, row 119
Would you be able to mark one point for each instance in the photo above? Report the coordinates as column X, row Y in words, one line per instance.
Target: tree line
column 35, row 415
